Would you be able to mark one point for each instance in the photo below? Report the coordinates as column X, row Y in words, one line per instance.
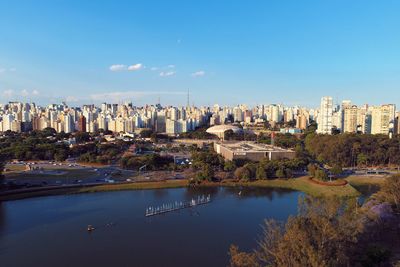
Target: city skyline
column 292, row 54
column 126, row 118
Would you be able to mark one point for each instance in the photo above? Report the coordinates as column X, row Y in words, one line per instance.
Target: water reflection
column 193, row 192
column 2, row 218
column 160, row 193
column 263, row 192
column 51, row 231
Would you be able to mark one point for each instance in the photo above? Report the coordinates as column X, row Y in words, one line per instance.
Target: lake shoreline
column 301, row 184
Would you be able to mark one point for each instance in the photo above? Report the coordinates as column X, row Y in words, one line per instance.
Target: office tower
column 345, row 104
column 302, row 120
column 397, row 123
column 68, row 123
column 325, row 116
column 102, row 123
column 364, row 120
column 7, row 120
column 171, row 126
column 173, row 114
column 16, row 126
column 288, row 115
column 119, row 125
column 248, row 116
column 274, row 112
column 350, row 119
column 383, row 119
column 237, row 114
column 337, row 118
column 82, row 123
column 160, row 122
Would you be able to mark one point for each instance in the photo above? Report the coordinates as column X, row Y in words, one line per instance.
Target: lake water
column 52, row 231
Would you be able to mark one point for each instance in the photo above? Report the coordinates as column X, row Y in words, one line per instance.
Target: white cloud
column 117, row 67
column 134, row 67
column 171, row 66
column 24, row 92
column 71, row 99
column 153, row 68
column 3, row 70
column 8, row 93
column 167, row 73
column 198, row 73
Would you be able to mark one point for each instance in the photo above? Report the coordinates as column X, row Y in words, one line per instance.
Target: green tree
column 243, row 173
column 61, row 155
column 324, row 233
column 311, row 169
column 229, row 166
column 261, row 173
column 206, row 173
column 362, row 159
column 82, row 137
column 321, row 175
column 242, row 259
column 336, row 170
column 146, row 133
column 280, row 173
column 288, row 173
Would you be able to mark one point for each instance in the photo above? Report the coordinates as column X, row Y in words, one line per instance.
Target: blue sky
column 226, row 52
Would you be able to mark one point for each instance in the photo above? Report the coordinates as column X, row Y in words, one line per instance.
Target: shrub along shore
column 302, row 184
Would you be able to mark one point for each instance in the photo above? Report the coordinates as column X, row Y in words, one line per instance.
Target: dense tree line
column 99, row 153
column 204, row 163
column 49, row 145
column 354, row 149
column 267, row 169
column 151, row 161
column 37, row 145
column 199, row 133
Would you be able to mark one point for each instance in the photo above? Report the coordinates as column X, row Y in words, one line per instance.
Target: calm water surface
column 51, row 231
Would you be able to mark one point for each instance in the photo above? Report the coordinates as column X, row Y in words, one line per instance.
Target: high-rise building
column 275, row 115
column 82, row 123
column 341, row 110
column 68, row 123
column 383, row 119
column 237, row 114
column 325, row 115
column 364, row 120
column 350, row 119
column 301, row 122
column 171, row 126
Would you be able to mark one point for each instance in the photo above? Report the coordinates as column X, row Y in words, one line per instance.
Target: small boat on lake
column 90, row 228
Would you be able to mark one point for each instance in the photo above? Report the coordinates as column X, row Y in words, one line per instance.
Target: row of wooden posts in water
column 169, row 207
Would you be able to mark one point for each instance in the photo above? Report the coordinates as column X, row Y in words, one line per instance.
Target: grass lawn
column 299, row 184
column 365, row 180
column 303, row 184
column 135, row 186
column 15, row 168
